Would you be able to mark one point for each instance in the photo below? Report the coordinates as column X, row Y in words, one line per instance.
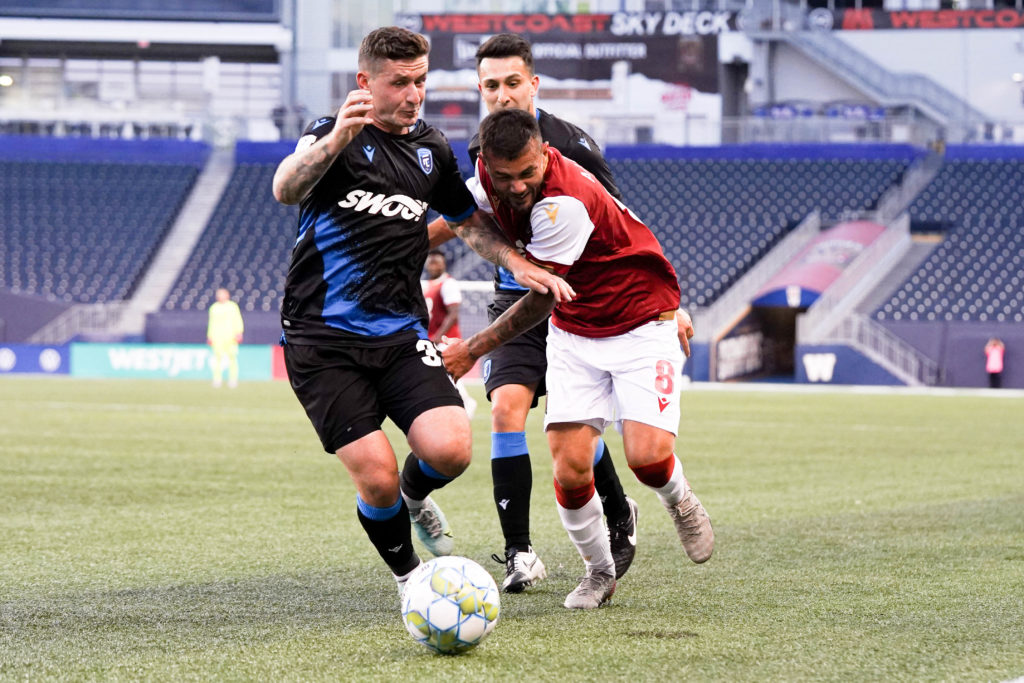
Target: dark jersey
column 574, row 143
column 354, row 277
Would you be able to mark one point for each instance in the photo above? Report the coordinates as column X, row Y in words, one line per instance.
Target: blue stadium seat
column 973, row 274
column 731, row 212
column 85, row 232
column 245, row 247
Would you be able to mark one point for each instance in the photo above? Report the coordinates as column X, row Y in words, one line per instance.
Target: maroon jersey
column 439, row 293
column 613, row 261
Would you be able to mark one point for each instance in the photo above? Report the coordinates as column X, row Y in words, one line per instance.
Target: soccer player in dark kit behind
column 354, row 319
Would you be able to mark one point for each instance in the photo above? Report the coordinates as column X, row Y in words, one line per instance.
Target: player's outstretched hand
column 455, row 354
column 685, row 324
column 544, row 282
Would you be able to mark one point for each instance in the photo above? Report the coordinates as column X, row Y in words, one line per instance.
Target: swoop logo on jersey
column 374, row 203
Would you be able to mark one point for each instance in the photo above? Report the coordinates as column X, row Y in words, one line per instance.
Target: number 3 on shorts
column 429, row 351
column 664, row 377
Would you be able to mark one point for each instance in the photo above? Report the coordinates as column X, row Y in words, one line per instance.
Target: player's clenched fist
column 456, row 357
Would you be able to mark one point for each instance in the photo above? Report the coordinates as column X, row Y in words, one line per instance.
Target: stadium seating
column 245, row 247
column 84, row 232
column 716, row 217
column 977, row 272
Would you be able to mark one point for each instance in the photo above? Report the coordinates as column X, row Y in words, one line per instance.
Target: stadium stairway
column 844, row 62
column 178, row 246
column 911, row 261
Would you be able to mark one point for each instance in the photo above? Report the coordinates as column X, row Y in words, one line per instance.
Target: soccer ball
column 450, row 604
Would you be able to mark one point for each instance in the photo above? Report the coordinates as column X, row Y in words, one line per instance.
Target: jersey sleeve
column 561, row 228
column 476, row 188
column 314, row 131
column 450, row 292
column 451, row 198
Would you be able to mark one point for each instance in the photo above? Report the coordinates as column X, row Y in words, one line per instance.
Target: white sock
column 590, row 536
column 673, row 490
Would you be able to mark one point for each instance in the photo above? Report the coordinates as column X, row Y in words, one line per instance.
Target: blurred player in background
column 514, row 372
column 224, row 334
column 355, row 339
column 614, row 353
column 444, row 299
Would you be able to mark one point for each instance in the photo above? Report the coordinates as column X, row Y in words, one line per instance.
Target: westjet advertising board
column 163, row 361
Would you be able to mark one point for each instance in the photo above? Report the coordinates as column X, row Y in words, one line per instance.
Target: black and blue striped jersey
column 354, row 277
column 574, row 143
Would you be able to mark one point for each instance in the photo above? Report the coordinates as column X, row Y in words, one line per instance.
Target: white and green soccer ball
column 450, row 604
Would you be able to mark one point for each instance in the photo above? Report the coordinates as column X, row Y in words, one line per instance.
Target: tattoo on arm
column 521, row 316
column 300, row 172
column 484, row 240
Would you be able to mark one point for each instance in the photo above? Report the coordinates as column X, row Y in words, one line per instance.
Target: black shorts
column 348, row 391
column 522, row 360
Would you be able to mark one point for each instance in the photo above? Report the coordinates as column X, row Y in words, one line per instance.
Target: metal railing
column 890, row 87
column 898, row 198
column 856, row 281
column 708, row 322
column 81, row 319
column 887, row 350
column 832, row 320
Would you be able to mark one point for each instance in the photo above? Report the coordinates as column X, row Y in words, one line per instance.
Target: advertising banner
column 163, row 361
column 839, row 364
column 674, row 47
column 877, row 19
column 818, row 265
column 19, row 358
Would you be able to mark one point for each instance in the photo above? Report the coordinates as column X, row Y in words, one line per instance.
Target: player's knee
column 444, row 441
column 378, row 491
column 459, row 452
column 508, row 416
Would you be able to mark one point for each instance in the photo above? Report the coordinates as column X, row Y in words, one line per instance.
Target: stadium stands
column 244, row 248
column 717, row 217
column 977, row 272
column 84, row 232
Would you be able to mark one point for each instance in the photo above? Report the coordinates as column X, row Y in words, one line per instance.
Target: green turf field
column 170, row 531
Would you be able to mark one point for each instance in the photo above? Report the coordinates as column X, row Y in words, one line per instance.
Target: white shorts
column 632, row 376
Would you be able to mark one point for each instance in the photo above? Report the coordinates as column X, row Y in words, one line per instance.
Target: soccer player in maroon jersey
column 514, row 373
column 614, row 352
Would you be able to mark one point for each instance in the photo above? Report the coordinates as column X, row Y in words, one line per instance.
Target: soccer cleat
column 432, row 528
column 522, row 569
column 622, row 536
column 693, row 526
column 594, row 589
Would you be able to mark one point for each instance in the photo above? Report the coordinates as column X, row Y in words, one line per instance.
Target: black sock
column 393, row 539
column 608, row 486
column 415, row 482
column 513, row 479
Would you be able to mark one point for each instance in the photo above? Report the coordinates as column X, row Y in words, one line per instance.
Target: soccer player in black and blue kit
column 353, row 315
